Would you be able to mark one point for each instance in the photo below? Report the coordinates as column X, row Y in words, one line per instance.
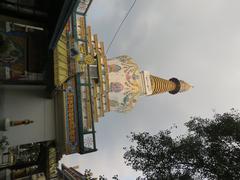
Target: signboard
column 146, row 82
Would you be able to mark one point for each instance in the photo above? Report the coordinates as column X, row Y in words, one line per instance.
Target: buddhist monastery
column 94, row 84
column 63, row 82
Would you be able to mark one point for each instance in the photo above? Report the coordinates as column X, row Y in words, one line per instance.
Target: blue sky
column 196, row 41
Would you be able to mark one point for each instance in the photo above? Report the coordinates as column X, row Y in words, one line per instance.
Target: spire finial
column 173, row 86
column 185, row 86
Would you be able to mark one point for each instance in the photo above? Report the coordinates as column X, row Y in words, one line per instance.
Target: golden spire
column 173, row 86
column 160, row 85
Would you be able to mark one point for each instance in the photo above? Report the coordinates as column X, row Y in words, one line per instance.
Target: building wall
column 27, row 102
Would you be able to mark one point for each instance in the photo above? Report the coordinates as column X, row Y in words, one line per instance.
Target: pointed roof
column 185, row 86
column 173, row 86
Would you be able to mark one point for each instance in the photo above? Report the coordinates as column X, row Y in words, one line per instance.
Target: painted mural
column 11, row 48
column 114, row 68
column 116, row 87
column 125, row 83
column 12, row 55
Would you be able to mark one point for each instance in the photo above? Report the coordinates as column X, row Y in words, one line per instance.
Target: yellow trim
column 106, row 77
column 62, row 51
column 61, row 60
column 88, row 108
column 95, row 101
column 62, row 94
column 99, row 59
column 90, row 46
column 70, row 99
column 62, row 43
column 81, row 32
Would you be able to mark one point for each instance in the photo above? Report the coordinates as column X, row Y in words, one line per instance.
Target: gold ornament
column 89, row 59
column 82, row 67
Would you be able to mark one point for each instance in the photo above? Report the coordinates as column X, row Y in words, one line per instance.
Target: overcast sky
column 196, row 41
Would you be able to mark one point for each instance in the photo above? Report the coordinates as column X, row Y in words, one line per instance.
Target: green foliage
column 115, row 177
column 210, row 149
column 89, row 176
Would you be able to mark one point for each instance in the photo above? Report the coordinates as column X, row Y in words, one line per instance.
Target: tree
column 210, row 149
column 89, row 176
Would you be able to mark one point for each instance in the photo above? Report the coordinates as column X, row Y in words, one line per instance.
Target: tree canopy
column 210, row 149
column 89, row 176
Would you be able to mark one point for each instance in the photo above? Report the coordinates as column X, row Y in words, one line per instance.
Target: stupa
column 127, row 83
column 92, row 84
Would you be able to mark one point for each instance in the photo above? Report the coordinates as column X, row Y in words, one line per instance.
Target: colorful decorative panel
column 13, row 55
column 125, row 83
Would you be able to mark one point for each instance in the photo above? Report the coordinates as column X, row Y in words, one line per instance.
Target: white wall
column 27, row 102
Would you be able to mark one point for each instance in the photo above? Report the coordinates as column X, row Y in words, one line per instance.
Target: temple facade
column 66, row 84
column 94, row 84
